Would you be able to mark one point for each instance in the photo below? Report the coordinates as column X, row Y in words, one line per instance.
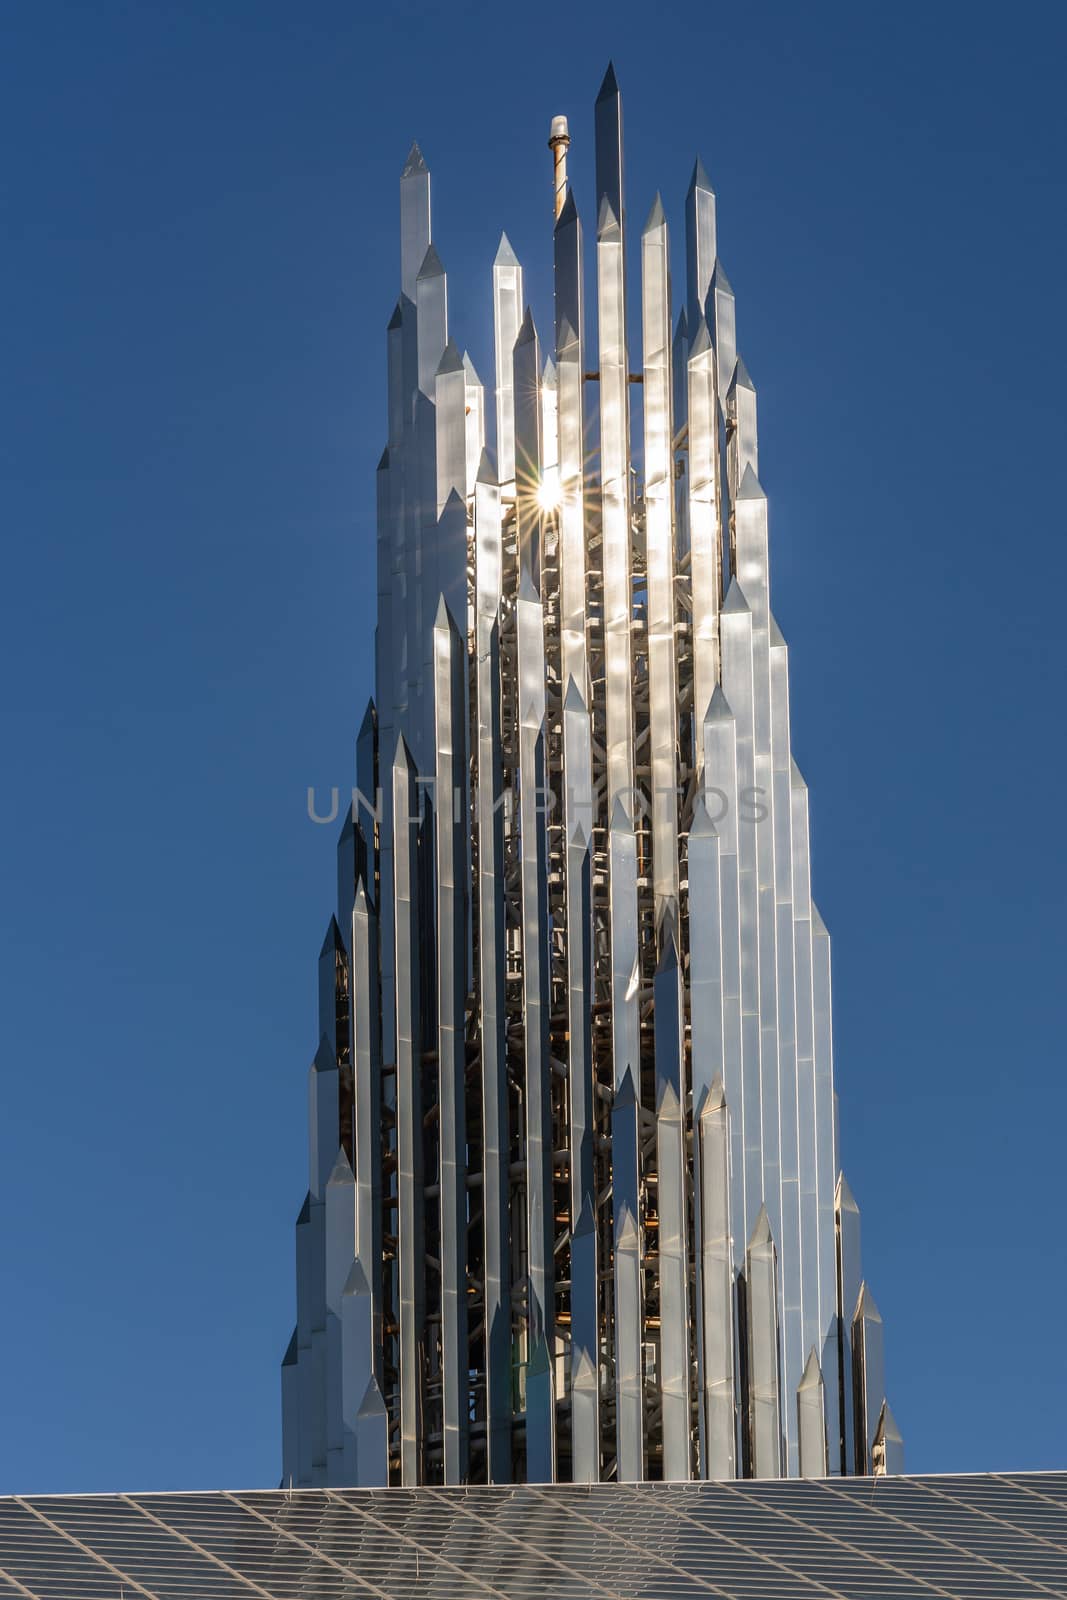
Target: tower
column 575, row 1207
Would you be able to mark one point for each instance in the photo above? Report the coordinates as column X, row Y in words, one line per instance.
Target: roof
column 988, row 1537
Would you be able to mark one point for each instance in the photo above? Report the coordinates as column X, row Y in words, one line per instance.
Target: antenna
column 559, row 139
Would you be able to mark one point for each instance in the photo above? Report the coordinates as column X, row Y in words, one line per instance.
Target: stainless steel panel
column 716, row 1279
column 868, row 1376
column 414, row 218
column 491, row 959
column 431, row 303
column 450, row 401
column 811, row 1421
column 450, row 817
column 847, row 1281
column 507, row 319
column 764, row 1379
column 409, row 1048
column 737, row 673
column 659, row 564
column 675, row 1360
column 705, row 532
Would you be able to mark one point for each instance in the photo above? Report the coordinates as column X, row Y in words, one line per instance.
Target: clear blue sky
column 199, row 213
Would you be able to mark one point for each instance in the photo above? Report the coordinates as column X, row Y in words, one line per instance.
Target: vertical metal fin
column 811, row 1420
column 491, row 964
column 507, row 318
column 716, row 1279
column 414, row 218
column 868, row 1376
column 409, row 1047
column 585, row 1349
column 847, row 1277
column 675, row 1361
column 340, row 1253
column 764, row 1406
column 450, row 813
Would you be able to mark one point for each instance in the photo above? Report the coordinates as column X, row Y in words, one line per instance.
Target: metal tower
column 575, row 1209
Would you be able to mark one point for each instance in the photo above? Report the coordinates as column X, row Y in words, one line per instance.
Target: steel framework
column 575, row 1210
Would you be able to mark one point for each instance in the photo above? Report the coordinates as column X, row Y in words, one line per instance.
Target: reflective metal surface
column 574, row 1210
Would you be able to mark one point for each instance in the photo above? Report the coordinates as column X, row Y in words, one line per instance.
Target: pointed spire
column 777, row 640
column 656, row 218
column 844, row 1199
column 701, row 339
column 681, row 327
column 443, row 619
column 397, row 318
column 761, row 1235
column 451, row 360
column 569, row 214
column 625, row 1094
column 548, row 376
column 333, row 940
column 305, row 1211
column 812, row 1378
column 473, row 380
column 356, row 1282
column 415, row 164
column 718, row 707
column 796, row 777
column 586, row 1223
column 750, row 486
column 866, row 1310
column 741, row 378
column 383, row 461
column 573, row 700
column 607, row 223
column 431, row 265
column 527, row 333
column 702, row 826
column 372, row 1404
column 719, row 281
column 715, row 1099
column 700, row 179
column 818, row 926
column 505, row 255
column 735, row 602
column 290, row 1357
column 342, row 1170
column 487, row 469
column 610, row 86
column 325, row 1059
column 619, row 818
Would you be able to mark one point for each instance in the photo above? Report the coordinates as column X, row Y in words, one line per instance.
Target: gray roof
column 988, row 1537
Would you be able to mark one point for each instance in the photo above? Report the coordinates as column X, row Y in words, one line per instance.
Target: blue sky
column 200, row 208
